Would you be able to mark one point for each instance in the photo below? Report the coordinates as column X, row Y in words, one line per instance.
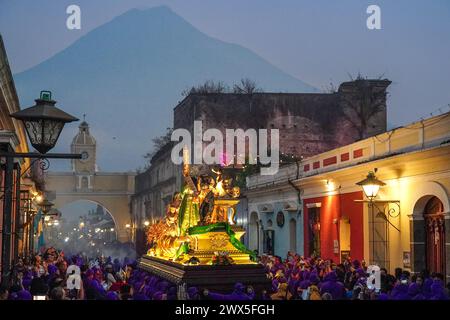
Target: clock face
column 84, row 155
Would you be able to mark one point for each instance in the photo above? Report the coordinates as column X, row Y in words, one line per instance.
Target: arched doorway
column 314, row 231
column 293, row 235
column 435, row 235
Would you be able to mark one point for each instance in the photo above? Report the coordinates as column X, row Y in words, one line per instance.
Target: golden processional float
column 200, row 227
column 198, row 241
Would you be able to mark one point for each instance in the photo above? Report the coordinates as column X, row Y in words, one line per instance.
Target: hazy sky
column 74, row 210
column 316, row 41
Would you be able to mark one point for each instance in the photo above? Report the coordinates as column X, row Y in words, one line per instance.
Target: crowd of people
column 51, row 276
column 47, row 276
column 301, row 278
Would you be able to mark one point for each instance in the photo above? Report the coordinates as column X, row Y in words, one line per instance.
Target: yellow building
column 27, row 180
column 411, row 213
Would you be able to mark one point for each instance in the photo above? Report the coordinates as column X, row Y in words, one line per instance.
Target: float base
column 215, row 278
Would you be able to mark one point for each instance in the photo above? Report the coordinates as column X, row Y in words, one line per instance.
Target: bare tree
column 330, row 88
column 158, row 143
column 209, row 86
column 246, row 86
column 363, row 102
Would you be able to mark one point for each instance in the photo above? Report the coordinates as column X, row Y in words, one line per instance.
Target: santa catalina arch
column 111, row 190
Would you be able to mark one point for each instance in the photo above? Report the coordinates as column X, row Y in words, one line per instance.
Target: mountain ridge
column 139, row 62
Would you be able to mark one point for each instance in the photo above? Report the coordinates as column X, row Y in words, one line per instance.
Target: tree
column 209, row 86
column 330, row 88
column 363, row 102
column 246, row 86
column 158, row 143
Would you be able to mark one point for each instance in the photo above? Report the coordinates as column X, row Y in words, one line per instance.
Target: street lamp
column 43, row 122
column 371, row 185
column 46, row 206
column 146, row 223
column 38, row 198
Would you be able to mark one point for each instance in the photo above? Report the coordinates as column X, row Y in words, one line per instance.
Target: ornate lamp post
column 46, row 206
column 371, row 186
column 43, row 123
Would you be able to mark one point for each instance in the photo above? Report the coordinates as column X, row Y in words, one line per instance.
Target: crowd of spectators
column 53, row 276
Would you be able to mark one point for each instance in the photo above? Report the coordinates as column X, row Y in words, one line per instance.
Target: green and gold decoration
column 199, row 227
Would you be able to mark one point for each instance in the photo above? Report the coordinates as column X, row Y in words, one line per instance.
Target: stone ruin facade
column 309, row 123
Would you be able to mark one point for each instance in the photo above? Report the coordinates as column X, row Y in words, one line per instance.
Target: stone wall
column 309, row 123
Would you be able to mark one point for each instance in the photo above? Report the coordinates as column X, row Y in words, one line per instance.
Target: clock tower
column 85, row 168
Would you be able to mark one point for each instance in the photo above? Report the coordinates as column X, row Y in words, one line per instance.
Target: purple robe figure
column 24, row 295
column 383, row 296
column 275, row 285
column 193, row 293
column 314, row 278
column 163, row 286
column 287, row 273
column 137, row 285
column 426, row 288
column 400, row 292
column 143, row 287
column 360, row 273
column 52, row 269
column 149, row 291
column 140, row 297
column 116, row 265
column 157, row 296
column 356, row 264
column 26, row 283
column 217, row 296
column 237, row 294
column 362, row 282
column 26, row 280
column 151, row 288
column 415, row 292
column 305, row 283
column 437, row 291
column 333, row 287
column 172, row 293
column 12, row 296
column 251, row 293
column 111, row 295
column 292, row 285
column 96, row 289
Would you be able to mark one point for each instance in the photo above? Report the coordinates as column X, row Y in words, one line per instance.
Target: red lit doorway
column 435, row 235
